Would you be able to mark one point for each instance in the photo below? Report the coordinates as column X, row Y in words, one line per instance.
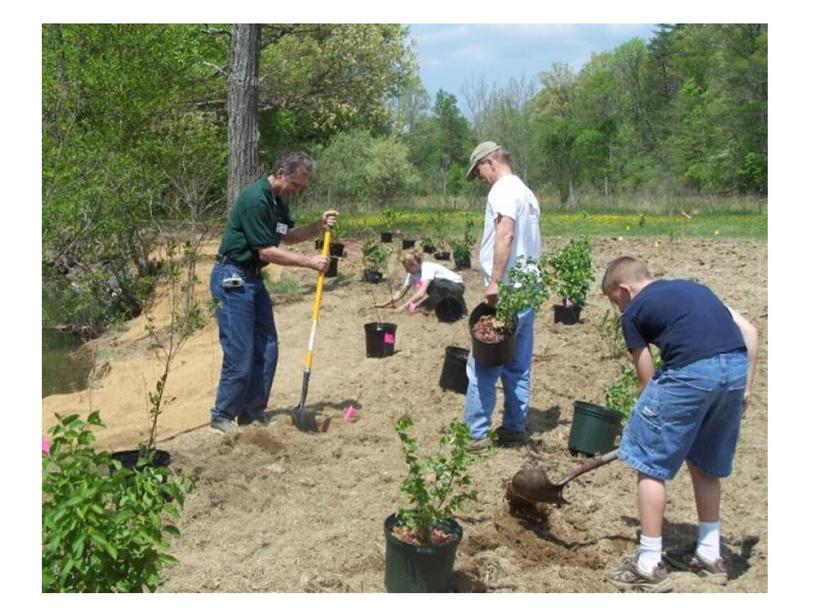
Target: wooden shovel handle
column 589, row 465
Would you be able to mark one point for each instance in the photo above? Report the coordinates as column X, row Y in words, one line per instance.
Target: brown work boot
column 478, row 445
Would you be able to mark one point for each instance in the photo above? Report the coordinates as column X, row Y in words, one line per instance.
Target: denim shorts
column 693, row 413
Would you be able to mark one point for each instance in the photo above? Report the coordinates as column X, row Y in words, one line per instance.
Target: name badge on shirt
column 282, row 228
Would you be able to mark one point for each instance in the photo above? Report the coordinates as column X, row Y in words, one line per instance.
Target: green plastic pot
column 594, row 428
column 419, row 568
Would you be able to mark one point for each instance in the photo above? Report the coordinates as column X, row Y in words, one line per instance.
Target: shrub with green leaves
column 622, row 394
column 390, row 217
column 528, row 289
column 611, row 333
column 375, row 256
column 461, row 248
column 571, row 269
column 438, row 485
column 104, row 527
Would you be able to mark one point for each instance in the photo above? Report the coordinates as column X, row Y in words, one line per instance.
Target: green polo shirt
column 256, row 220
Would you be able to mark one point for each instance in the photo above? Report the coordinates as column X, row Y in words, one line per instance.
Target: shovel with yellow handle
column 303, row 418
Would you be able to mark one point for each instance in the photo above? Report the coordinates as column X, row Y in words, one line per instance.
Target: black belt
column 253, row 267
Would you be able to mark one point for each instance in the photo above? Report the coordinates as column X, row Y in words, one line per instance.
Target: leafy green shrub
column 103, row 526
column 390, row 217
column 528, row 289
column 622, row 394
column 436, row 486
column 609, row 328
column 572, row 272
column 375, row 256
column 461, row 249
column 358, row 167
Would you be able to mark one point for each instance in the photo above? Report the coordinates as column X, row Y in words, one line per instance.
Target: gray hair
column 294, row 162
column 501, row 154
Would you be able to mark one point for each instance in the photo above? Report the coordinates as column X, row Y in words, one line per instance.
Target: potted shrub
column 461, row 249
column 594, row 428
column 493, row 329
column 336, row 247
column 390, row 217
column 572, row 274
column 375, row 257
column 440, row 233
column 421, row 540
column 104, row 527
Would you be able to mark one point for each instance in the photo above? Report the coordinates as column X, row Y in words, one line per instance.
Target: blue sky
column 452, row 54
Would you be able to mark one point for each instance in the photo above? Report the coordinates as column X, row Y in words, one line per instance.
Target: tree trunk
column 242, row 108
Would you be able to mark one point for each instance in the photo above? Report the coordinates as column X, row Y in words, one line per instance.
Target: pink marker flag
column 389, row 338
column 46, row 447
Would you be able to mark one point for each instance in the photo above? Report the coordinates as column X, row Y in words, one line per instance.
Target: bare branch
column 219, row 69
column 215, row 31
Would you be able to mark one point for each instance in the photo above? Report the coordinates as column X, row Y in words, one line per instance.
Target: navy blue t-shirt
column 684, row 319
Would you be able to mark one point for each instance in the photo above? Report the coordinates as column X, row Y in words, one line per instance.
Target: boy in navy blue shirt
column 688, row 412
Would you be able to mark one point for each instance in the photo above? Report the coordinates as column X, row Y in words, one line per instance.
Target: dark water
column 64, row 369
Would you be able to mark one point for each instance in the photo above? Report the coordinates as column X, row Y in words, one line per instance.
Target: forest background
column 145, row 127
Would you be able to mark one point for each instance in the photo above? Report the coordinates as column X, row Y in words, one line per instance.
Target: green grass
column 283, row 288
column 753, row 225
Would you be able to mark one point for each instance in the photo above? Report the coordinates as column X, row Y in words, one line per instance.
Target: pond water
column 64, row 368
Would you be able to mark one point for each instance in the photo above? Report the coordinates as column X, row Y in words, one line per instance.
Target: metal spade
column 303, row 418
column 532, row 485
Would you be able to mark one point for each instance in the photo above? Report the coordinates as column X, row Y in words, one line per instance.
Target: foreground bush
column 103, row 526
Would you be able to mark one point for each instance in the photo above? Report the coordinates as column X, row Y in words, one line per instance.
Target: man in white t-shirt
column 511, row 231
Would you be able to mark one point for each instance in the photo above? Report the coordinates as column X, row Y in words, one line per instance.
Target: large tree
column 242, row 108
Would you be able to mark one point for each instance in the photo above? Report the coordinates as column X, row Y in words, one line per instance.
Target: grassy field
column 451, row 223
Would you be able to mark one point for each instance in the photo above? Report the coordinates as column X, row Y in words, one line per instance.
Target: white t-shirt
column 429, row 272
column 509, row 197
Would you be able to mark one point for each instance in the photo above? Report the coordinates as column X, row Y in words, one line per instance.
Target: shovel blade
column 304, row 419
column 533, row 485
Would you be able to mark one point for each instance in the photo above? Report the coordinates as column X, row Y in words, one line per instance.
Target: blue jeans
column 515, row 376
column 693, row 413
column 249, row 340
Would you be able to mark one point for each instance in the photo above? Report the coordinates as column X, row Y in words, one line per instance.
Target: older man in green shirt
column 258, row 223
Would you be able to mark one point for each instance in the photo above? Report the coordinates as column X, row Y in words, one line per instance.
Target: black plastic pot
column 386, row 237
column 428, row 248
column 332, row 271
column 449, row 310
column 408, row 243
column 594, row 428
column 380, row 339
column 490, row 354
column 338, row 249
column 419, row 568
column 130, row 458
column 567, row 315
column 454, row 370
column 442, row 255
column 463, row 262
column 372, row 276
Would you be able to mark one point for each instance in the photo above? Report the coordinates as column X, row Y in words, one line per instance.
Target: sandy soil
column 279, row 510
